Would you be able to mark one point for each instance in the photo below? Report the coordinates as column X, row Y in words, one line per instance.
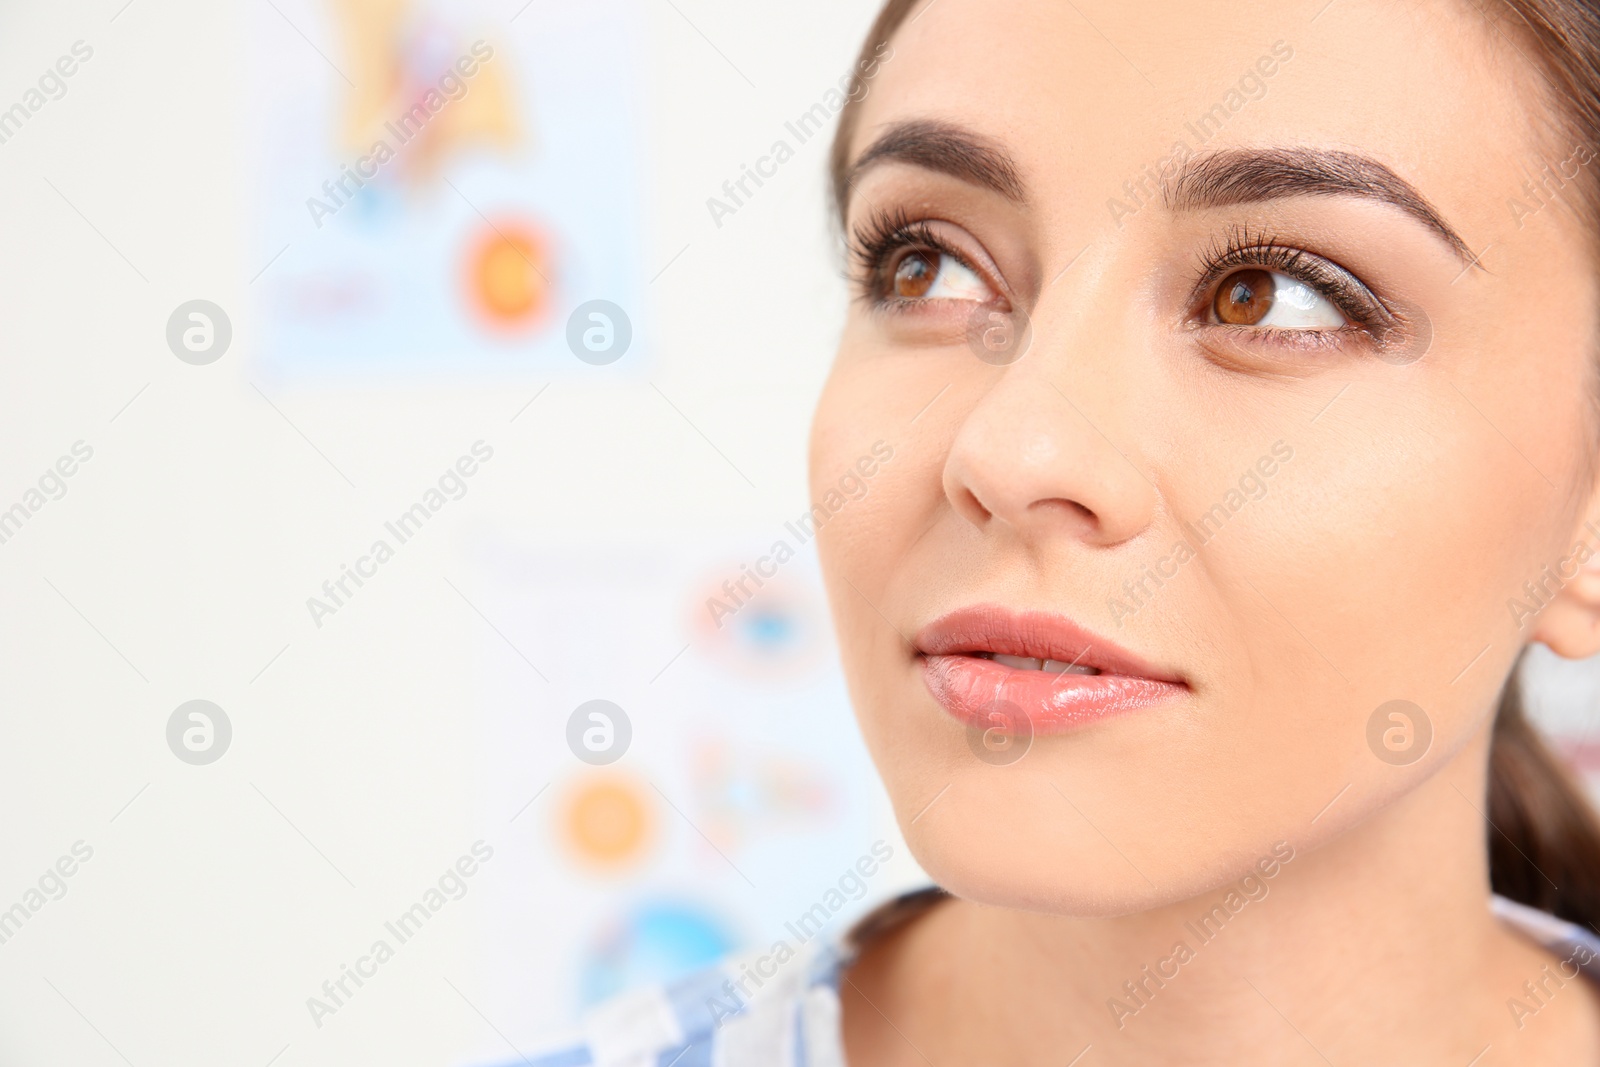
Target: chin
column 980, row 851
column 1072, row 890
column 1004, row 837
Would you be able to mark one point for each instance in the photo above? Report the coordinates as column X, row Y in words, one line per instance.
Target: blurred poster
column 736, row 792
column 439, row 184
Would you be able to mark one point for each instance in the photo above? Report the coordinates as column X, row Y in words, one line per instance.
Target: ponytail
column 1544, row 837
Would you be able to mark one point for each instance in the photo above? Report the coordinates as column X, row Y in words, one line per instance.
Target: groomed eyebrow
column 1253, row 175
column 1222, row 178
column 947, row 149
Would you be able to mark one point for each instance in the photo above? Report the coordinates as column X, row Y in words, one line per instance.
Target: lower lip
column 973, row 690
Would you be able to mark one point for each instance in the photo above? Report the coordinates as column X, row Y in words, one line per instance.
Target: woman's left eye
column 1256, row 297
column 924, row 274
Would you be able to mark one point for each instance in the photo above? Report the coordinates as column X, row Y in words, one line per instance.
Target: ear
column 1570, row 622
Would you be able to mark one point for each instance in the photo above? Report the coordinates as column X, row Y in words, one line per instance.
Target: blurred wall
column 367, row 754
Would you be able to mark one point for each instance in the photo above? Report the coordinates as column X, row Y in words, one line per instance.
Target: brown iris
column 1244, row 297
column 915, row 274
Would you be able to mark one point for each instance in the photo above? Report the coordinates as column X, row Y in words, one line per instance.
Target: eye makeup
column 1245, row 284
column 1244, row 249
column 896, row 261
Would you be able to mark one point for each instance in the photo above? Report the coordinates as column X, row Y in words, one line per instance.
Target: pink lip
column 974, row 689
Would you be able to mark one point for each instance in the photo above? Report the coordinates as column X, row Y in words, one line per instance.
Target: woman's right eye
column 926, row 274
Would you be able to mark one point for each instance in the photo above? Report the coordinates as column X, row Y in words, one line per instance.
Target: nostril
column 1068, row 513
column 1069, row 508
column 973, row 507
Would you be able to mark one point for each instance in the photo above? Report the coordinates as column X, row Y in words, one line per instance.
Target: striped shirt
column 781, row 1009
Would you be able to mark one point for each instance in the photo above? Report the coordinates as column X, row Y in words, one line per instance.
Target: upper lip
column 988, row 628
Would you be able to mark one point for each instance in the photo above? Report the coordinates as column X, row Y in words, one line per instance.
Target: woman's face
column 1230, row 355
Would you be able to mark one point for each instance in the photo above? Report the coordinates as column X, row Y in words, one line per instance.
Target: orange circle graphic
column 607, row 821
column 508, row 276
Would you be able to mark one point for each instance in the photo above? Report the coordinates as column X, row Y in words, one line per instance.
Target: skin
column 1376, row 566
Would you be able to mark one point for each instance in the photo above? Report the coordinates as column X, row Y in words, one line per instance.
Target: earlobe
column 1570, row 620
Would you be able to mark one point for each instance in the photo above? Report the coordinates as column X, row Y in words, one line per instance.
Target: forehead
column 1085, row 96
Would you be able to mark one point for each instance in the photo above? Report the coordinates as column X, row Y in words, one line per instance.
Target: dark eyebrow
column 1252, row 175
column 1216, row 179
column 946, row 148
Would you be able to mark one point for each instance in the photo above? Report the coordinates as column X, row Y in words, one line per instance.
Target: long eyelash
column 873, row 243
column 1246, row 248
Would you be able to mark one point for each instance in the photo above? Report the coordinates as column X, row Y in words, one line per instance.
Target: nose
column 1036, row 461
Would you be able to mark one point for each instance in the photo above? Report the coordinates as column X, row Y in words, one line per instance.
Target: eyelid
column 1349, row 294
column 883, row 237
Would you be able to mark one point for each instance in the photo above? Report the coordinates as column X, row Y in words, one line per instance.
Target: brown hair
column 1543, row 834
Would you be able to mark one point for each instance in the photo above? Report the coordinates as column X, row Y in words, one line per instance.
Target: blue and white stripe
column 705, row 1020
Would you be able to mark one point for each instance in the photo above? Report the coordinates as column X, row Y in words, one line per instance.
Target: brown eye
column 915, row 274
column 1244, row 297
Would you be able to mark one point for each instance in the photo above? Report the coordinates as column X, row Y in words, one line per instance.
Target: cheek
column 1378, row 568
column 875, row 410
column 872, row 399
column 844, row 421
